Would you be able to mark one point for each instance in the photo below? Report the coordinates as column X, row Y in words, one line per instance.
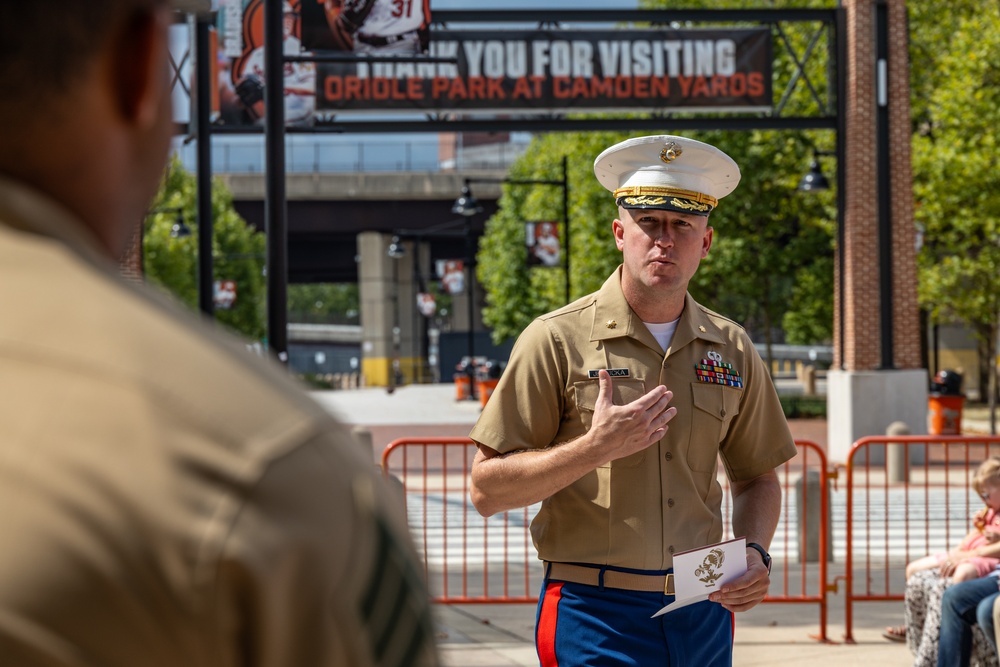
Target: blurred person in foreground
column 613, row 413
column 165, row 498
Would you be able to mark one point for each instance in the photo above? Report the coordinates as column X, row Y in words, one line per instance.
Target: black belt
column 628, row 581
column 378, row 40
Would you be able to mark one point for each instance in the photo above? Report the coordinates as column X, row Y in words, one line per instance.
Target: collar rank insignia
column 715, row 371
column 611, row 324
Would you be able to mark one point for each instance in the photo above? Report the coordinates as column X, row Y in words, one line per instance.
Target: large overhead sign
column 360, row 27
column 508, row 71
column 539, row 70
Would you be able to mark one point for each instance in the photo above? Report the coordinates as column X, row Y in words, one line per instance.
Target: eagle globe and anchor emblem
column 671, row 151
column 710, row 570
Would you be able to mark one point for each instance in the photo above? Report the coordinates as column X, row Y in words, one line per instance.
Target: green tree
column 932, row 25
column 330, row 303
column 516, row 293
column 955, row 184
column 773, row 245
column 238, row 250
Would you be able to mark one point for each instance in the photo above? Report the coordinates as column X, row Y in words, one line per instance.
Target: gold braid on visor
column 636, row 195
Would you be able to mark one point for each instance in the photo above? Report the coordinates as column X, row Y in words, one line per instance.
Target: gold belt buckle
column 668, row 585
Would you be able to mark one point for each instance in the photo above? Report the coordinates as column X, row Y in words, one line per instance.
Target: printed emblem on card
column 613, row 372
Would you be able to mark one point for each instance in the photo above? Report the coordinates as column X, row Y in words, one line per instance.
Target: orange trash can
column 463, row 387
column 944, row 414
column 485, row 388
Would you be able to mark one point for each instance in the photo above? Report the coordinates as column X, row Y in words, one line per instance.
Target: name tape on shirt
column 613, row 372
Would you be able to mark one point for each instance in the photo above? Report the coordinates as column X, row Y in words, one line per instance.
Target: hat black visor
column 677, row 204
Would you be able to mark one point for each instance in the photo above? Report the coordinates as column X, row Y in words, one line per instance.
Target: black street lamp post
column 397, row 250
column 816, row 181
column 466, row 205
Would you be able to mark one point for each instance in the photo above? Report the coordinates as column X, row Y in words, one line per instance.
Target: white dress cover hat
column 667, row 172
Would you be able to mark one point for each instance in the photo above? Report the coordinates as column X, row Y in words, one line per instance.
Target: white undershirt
column 663, row 332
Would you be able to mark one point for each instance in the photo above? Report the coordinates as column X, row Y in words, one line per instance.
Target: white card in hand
column 700, row 571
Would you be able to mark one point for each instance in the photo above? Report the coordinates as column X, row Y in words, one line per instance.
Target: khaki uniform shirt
column 168, row 500
column 636, row 511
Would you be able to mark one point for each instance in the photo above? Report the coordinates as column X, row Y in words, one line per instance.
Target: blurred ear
column 706, row 242
column 618, row 228
column 140, row 67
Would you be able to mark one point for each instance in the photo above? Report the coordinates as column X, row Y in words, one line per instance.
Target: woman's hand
column 955, row 558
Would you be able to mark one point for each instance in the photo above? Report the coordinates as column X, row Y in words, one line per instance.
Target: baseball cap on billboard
column 667, row 172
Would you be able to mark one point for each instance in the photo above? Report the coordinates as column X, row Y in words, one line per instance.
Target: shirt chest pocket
column 715, row 406
column 624, row 391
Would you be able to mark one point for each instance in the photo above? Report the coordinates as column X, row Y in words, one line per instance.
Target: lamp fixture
column 180, row 230
column 466, row 205
column 815, row 180
column 396, row 249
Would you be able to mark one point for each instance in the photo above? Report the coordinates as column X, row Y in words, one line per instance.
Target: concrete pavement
column 497, row 635
column 771, row 634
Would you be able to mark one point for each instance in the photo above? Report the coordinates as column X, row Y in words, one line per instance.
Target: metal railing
column 801, row 545
column 318, row 154
column 907, row 497
column 469, row 559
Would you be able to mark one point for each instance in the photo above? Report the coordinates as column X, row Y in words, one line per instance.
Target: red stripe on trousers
column 546, row 632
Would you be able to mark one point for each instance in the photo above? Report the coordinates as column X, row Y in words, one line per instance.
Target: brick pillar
column 861, row 298
column 130, row 264
column 863, row 397
column 906, row 312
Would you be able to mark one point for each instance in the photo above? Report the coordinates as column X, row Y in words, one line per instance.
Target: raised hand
column 621, row 430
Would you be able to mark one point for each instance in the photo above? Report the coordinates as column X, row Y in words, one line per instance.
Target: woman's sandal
column 895, row 634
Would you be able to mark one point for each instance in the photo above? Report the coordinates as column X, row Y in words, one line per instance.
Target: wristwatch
column 764, row 556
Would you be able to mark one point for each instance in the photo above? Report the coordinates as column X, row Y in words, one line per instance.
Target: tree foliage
column 516, row 293
column 957, row 180
column 332, row 303
column 238, row 250
column 773, row 246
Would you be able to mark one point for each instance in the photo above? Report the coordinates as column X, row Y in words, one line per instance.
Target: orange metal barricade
column 800, row 548
column 903, row 504
column 469, row 559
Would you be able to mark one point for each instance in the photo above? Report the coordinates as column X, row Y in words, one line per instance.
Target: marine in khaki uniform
column 166, row 499
column 613, row 412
